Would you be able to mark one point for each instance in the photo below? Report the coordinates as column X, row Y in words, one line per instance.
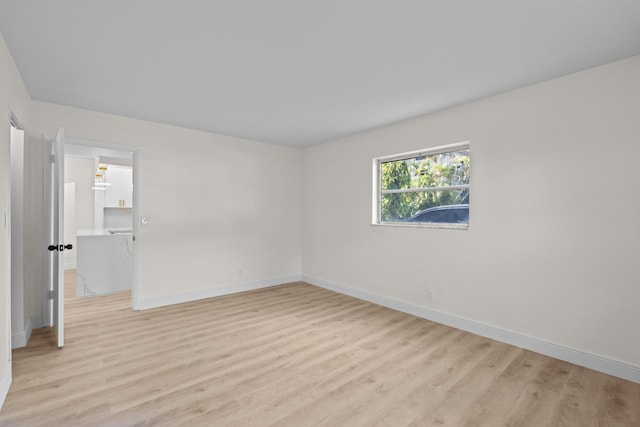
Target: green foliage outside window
column 424, row 175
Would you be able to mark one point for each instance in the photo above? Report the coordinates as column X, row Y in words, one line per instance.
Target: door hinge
column 52, row 294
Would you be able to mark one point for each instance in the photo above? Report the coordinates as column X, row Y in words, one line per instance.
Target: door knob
column 60, row 247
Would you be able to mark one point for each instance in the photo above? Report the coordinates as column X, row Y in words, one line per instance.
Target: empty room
column 355, row 213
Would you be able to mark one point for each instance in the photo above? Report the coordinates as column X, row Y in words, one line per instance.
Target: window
column 426, row 187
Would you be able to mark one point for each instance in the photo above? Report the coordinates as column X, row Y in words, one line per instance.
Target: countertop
column 90, row 232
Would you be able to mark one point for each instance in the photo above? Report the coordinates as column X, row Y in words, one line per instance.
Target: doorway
column 104, row 234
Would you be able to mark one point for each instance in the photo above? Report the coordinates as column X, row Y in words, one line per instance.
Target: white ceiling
column 301, row 72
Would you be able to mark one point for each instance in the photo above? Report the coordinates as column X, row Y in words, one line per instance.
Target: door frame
column 135, row 150
column 17, row 237
column 53, row 189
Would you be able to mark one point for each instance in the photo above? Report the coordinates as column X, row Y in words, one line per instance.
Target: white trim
column 146, row 303
column 70, row 265
column 5, row 383
column 136, row 215
column 425, row 152
column 592, row 361
column 450, row 226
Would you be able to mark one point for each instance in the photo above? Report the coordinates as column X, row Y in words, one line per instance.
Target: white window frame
column 377, row 185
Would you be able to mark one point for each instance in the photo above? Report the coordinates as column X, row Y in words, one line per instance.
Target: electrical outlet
column 428, row 294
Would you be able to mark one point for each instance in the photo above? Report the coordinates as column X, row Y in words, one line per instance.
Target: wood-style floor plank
column 293, row 355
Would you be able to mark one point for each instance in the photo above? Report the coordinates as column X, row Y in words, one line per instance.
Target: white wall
column 81, row 172
column 70, row 225
column 554, row 235
column 223, row 212
column 13, row 97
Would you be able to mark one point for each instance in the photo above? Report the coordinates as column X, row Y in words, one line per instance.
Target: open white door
column 54, row 231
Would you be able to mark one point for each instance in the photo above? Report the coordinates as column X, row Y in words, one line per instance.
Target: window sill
column 422, row 225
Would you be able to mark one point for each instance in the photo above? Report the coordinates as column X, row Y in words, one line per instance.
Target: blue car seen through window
column 449, row 214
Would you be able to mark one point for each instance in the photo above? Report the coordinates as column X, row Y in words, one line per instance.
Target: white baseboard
column 146, row 303
column 577, row 357
column 5, row 383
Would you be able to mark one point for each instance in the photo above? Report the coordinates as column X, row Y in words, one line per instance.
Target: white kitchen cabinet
column 119, row 192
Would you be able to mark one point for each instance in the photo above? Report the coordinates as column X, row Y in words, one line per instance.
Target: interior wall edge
column 21, row 339
column 5, row 383
column 592, row 361
column 36, row 322
column 148, row 303
column 28, row 327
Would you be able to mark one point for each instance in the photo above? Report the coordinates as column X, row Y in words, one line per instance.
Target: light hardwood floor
column 294, row 355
